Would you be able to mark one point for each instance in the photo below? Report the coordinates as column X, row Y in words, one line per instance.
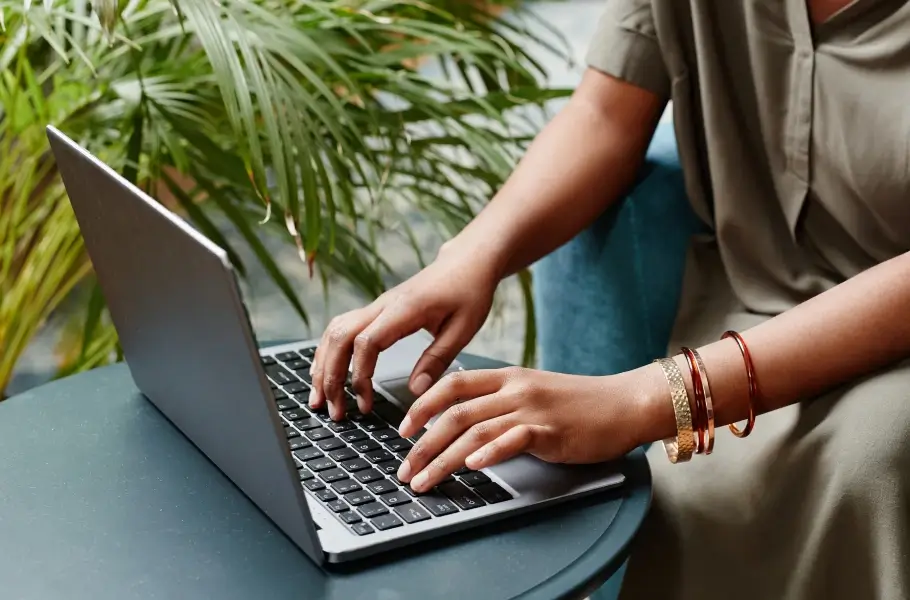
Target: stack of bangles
column 695, row 415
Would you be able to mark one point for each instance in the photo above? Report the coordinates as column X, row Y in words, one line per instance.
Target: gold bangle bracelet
column 709, row 404
column 680, row 448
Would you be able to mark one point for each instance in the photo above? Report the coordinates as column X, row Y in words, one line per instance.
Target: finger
column 461, row 385
column 453, row 337
column 396, row 321
column 448, row 428
column 515, row 441
column 453, row 457
column 335, row 356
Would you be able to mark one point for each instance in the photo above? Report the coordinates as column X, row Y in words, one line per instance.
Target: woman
column 793, row 123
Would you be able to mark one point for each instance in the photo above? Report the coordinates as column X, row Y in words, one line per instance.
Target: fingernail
column 421, row 384
column 405, row 426
column 419, row 482
column 404, row 471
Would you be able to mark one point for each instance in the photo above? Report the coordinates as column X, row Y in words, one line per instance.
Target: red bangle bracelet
column 753, row 384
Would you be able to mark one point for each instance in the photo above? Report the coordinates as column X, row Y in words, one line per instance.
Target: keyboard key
column 395, row 498
column 320, row 464
column 365, row 446
column 303, row 398
column 367, row 476
column 349, row 517
column 341, row 426
column 279, row 394
column 389, row 412
column 355, row 435
column 474, row 478
column 308, row 353
column 356, row 464
column 296, row 387
column 438, row 504
column 297, row 364
column 306, row 454
column 286, row 356
column 382, row 486
column 287, row 404
column 492, row 493
column 464, row 471
column 373, row 509
column 299, row 443
column 378, row 456
column 386, row 522
column 346, row 486
column 338, row 506
column 412, row 513
column 305, row 475
column 290, row 432
column 314, row 485
column 268, row 360
column 462, row 496
column 305, row 375
column 342, row 455
column 359, row 497
column 329, row 444
column 372, row 423
column 318, row 434
column 385, row 435
column 399, row 445
column 280, row 375
column 362, row 529
column 333, row 475
column 326, row 495
column 390, row 467
column 296, row 414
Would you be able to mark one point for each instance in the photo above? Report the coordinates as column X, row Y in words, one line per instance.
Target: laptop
column 187, row 339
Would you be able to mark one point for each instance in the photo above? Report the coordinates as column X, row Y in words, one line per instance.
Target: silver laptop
column 330, row 486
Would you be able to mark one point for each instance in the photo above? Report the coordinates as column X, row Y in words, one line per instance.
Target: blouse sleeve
column 625, row 46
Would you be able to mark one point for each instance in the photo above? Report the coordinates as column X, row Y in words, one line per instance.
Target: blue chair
column 607, row 300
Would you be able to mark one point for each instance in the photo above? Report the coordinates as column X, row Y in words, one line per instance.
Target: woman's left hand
column 491, row 416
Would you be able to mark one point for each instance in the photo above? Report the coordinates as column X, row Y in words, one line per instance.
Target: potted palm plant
column 305, row 118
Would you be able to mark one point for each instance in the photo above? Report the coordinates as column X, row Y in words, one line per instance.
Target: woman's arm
column 853, row 329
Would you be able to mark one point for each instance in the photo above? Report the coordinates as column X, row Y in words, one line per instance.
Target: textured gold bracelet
column 680, row 448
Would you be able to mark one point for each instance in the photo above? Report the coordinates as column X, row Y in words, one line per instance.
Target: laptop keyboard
column 350, row 465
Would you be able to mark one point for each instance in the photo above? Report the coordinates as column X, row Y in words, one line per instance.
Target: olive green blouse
column 794, row 138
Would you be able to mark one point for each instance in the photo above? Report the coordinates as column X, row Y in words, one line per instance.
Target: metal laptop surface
column 187, row 339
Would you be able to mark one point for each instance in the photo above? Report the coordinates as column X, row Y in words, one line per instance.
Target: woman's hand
column 491, row 416
column 451, row 299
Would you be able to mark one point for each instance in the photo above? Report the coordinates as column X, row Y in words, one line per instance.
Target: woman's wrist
column 653, row 418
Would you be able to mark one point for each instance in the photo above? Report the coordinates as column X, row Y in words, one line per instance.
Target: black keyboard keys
column 492, row 493
column 356, row 464
column 378, row 456
column 359, row 497
column 314, row 484
column 329, row 444
column 280, row 375
column 475, row 478
column 395, row 498
column 367, row 476
column 342, row 454
column 332, row 475
column 362, row 529
column 278, row 394
column 382, row 486
column 386, row 522
column 297, row 364
column 438, row 504
column 290, row 432
column 307, row 454
column 399, row 445
column 385, row 435
column 318, row 434
column 320, row 464
column 372, row 423
column 365, row 446
column 337, row 506
column 354, row 435
column 305, row 475
column 412, row 513
column 345, row 486
column 460, row 495
column 340, row 426
column 268, row 360
column 286, row 356
column 349, row 517
column 298, row 443
column 287, row 404
column 390, row 467
column 373, row 509
column 296, row 387
column 326, row 495
column 308, row 353
column 295, row 414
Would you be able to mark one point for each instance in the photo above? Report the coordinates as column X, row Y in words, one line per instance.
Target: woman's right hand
column 450, row 298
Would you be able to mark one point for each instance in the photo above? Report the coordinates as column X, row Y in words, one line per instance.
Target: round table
column 101, row 497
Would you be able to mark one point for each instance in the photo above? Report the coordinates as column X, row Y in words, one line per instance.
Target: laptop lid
column 175, row 303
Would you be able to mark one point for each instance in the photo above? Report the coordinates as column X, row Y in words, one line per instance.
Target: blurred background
column 331, row 146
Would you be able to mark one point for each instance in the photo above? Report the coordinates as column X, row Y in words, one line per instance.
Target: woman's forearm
column 853, row 329
column 580, row 163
